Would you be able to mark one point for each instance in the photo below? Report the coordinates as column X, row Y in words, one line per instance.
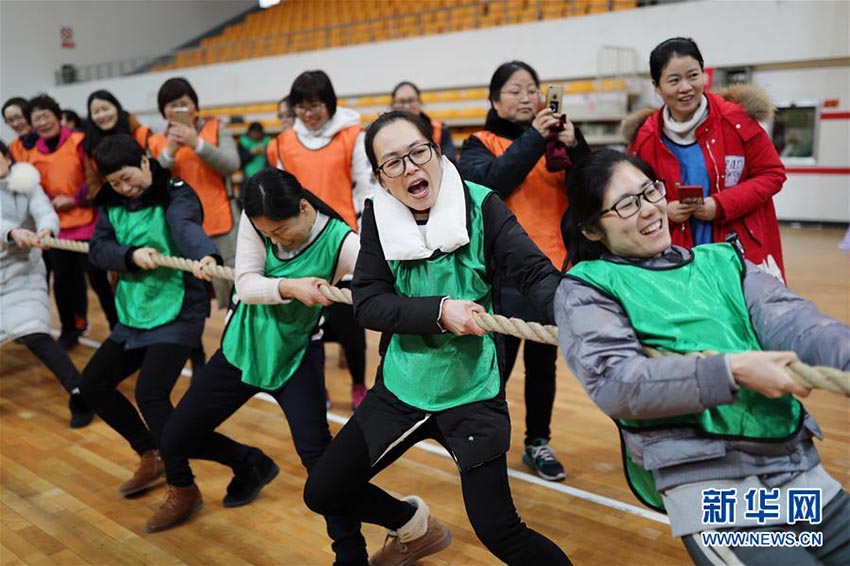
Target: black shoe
column 69, row 339
column 81, row 413
column 244, row 488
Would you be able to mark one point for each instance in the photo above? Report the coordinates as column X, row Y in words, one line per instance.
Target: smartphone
column 554, row 95
column 690, row 194
column 180, row 114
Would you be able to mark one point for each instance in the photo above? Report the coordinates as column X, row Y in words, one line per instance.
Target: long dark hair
column 276, row 195
column 94, row 135
column 586, row 185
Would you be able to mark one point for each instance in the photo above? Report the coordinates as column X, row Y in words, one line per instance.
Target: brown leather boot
column 421, row 536
column 148, row 474
column 180, row 503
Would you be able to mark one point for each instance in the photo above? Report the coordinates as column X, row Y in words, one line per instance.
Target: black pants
column 341, row 327
column 54, row 357
column 69, row 287
column 160, row 366
column 218, row 391
column 539, row 361
column 340, row 484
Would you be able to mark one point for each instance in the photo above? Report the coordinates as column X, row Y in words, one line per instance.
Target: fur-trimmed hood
column 23, row 178
column 753, row 99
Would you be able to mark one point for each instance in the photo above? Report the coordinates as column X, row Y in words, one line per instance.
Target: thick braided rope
column 812, row 377
column 517, row 328
column 172, row 262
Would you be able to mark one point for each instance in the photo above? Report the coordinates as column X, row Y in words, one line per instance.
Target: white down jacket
column 24, row 302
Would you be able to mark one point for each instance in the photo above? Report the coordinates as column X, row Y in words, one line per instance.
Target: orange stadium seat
column 304, row 25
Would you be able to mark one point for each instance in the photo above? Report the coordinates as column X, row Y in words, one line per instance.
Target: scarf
column 400, row 236
column 684, row 133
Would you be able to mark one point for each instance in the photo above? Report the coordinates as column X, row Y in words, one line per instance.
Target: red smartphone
column 690, row 194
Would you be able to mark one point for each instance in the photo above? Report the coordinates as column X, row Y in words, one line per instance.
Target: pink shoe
column 358, row 392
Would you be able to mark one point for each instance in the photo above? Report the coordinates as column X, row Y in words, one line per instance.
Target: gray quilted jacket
column 603, row 352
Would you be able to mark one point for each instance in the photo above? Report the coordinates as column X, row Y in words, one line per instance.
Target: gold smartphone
column 554, row 96
column 180, row 115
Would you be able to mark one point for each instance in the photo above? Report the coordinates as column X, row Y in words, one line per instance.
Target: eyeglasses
column 404, row 102
column 42, row 117
column 419, row 155
column 629, row 205
column 302, row 110
column 518, row 93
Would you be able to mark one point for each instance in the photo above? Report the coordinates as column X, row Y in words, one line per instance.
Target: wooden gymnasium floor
column 58, row 500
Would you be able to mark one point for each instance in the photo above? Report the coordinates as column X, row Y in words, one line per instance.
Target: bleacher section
column 306, row 25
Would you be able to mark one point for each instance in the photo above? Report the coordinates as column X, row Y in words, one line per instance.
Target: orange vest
column 207, row 183
column 142, row 136
column 62, row 173
column 539, row 202
column 19, row 153
column 437, row 128
column 325, row 172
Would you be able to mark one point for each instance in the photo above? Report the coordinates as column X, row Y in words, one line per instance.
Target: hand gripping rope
column 811, row 377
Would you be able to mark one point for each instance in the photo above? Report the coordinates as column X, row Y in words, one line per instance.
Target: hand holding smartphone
column 554, row 97
column 690, row 194
column 180, row 115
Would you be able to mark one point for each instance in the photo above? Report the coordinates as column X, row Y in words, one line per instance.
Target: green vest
column 694, row 307
column 438, row 371
column 148, row 298
column 267, row 342
column 257, row 162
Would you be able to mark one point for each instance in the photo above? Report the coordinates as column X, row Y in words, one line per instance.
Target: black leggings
column 218, row 391
column 341, row 327
column 54, row 357
column 69, row 287
column 539, row 361
column 340, row 484
column 160, row 366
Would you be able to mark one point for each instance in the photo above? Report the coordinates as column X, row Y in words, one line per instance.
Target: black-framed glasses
column 419, row 155
column 304, row 109
column 629, row 205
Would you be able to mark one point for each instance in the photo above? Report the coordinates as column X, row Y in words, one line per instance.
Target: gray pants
column 226, row 244
column 835, row 550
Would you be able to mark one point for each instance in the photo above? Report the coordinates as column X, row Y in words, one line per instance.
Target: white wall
column 560, row 49
column 773, row 33
column 104, row 30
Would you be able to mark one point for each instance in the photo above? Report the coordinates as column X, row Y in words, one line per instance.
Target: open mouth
column 686, row 99
column 418, row 190
column 652, row 228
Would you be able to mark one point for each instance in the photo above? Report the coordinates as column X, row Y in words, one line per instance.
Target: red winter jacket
column 744, row 169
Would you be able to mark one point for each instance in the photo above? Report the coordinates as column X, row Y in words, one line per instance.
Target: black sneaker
column 81, row 413
column 541, row 458
column 244, row 488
